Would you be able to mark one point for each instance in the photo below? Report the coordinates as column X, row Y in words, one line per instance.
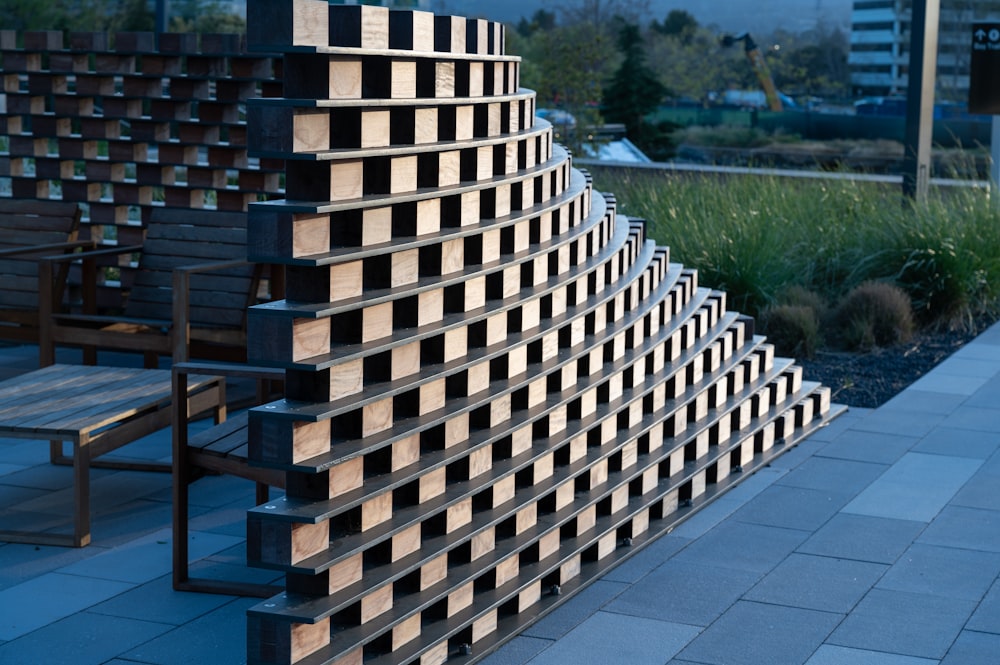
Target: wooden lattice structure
column 127, row 126
column 497, row 387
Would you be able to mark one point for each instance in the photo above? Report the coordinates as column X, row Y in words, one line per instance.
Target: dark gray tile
column 932, row 396
column 799, row 454
column 792, row 508
column 684, row 592
column 863, row 538
column 751, row 547
column 158, row 602
column 80, row 639
column 833, row 655
column 899, row 422
column 943, row 571
column 987, row 616
column 973, row 649
column 904, row 623
column 38, row 602
column 863, row 446
column 760, row 634
column 915, row 488
column 828, row 474
column 637, row 641
column 817, row 583
column 218, row 637
column 832, row 429
column 974, row 418
column 959, row 443
column 969, row 528
column 576, row 610
column 645, row 560
column 517, row 652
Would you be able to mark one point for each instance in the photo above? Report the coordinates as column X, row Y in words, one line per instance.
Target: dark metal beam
column 162, row 16
column 920, row 98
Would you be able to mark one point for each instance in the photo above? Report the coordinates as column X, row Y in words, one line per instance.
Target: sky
column 760, row 16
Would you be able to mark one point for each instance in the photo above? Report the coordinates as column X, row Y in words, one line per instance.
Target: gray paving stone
column 158, row 602
column 38, row 602
column 760, row 634
column 80, row 639
column 904, row 623
column 986, row 618
column 969, row 528
column 20, row 562
column 684, row 592
column 834, row 428
column 792, row 507
column 986, row 396
column 973, row 649
column 863, row 538
column 959, row 443
column 145, row 561
column 817, row 583
column 576, row 610
column 905, row 422
column 948, row 384
column 943, row 571
column 863, row 446
column 517, row 652
column 978, row 418
column 828, row 474
column 915, row 488
column 798, row 454
column 933, row 396
column 751, row 547
column 644, row 561
column 218, row 637
column 833, row 655
column 638, row 641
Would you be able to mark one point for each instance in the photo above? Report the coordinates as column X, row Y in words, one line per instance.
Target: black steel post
column 920, row 98
column 162, row 16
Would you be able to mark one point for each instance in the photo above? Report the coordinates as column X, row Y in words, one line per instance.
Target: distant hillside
column 760, row 16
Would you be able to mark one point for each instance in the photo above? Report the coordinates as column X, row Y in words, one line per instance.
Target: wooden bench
column 97, row 409
column 219, row 450
column 29, row 230
column 189, row 295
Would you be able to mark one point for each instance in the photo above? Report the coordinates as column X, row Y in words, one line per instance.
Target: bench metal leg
column 81, row 491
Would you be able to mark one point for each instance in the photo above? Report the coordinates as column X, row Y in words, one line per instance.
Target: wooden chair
column 220, row 449
column 30, row 230
column 189, row 295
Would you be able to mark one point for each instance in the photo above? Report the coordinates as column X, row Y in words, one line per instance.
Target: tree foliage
column 116, row 15
column 634, row 91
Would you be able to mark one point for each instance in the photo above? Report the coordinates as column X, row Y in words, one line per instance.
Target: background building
column 880, row 45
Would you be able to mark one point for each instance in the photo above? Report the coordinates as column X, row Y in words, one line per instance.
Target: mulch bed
column 868, row 380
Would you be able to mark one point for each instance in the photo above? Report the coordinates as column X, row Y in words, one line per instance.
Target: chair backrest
column 184, row 237
column 25, row 224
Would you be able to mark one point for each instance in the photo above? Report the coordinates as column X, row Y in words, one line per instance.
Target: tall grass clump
column 757, row 236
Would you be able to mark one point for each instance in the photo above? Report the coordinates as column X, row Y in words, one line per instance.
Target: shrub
column 793, row 329
column 873, row 314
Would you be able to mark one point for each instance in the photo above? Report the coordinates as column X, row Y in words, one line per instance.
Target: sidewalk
column 877, row 540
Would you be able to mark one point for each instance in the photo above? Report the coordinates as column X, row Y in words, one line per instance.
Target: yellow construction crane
column 759, row 66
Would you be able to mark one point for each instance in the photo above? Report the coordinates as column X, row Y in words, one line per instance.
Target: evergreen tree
column 634, row 91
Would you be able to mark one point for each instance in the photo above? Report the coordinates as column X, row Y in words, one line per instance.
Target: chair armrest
column 229, row 369
column 92, row 254
column 48, row 249
column 182, row 301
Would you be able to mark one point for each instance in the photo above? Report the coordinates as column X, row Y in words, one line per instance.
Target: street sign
column 984, row 70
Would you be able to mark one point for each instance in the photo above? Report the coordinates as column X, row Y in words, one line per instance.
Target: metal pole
column 920, row 99
column 162, row 15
